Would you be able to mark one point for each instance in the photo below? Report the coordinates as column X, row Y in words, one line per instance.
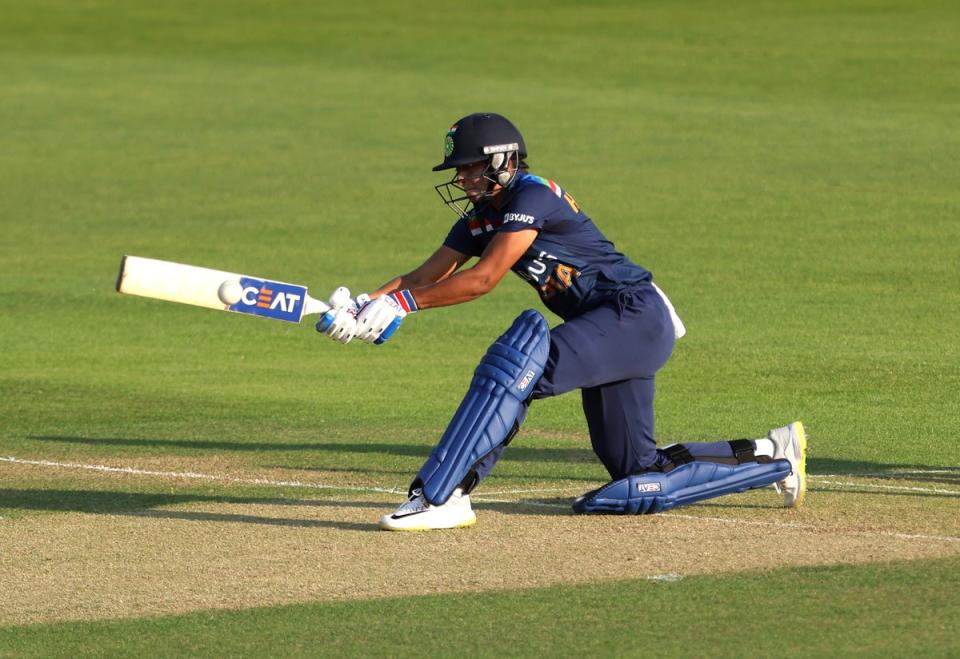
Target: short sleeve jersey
column 571, row 264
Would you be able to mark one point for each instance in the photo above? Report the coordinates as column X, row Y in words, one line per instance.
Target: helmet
column 479, row 137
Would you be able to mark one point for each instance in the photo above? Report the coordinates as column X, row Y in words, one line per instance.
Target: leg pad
column 494, row 407
column 654, row 492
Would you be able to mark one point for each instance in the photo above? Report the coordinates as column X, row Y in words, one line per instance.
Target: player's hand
column 378, row 319
column 340, row 323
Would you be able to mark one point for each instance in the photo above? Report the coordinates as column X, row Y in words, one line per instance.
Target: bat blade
column 190, row 284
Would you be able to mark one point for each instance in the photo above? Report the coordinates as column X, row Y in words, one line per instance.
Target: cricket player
column 618, row 330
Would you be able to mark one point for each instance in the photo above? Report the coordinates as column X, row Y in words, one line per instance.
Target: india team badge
column 448, row 141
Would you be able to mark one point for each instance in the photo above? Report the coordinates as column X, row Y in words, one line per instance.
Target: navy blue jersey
column 571, row 264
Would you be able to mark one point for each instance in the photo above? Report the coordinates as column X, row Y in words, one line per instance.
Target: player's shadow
column 504, row 476
column 515, row 452
column 197, row 516
column 145, row 504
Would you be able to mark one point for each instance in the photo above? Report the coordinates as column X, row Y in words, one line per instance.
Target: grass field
column 179, row 481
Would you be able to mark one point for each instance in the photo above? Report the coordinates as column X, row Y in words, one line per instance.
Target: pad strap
column 677, row 454
column 743, row 450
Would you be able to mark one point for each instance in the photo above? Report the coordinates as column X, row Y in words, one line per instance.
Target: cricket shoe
column 417, row 514
column 790, row 443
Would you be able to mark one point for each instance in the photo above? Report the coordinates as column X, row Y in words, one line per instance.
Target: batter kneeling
column 619, row 329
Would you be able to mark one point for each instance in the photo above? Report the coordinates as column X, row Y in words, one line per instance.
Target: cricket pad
column 654, row 491
column 492, row 410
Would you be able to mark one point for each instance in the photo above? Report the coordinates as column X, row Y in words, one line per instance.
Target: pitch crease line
column 532, row 491
column 892, row 474
column 323, row 486
column 245, row 481
column 479, row 499
column 198, row 476
column 875, row 486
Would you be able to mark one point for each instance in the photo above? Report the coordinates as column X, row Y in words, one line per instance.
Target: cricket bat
column 216, row 289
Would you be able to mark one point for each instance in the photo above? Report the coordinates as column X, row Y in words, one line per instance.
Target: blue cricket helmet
column 480, row 136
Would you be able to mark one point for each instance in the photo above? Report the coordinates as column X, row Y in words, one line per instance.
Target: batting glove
column 379, row 319
column 340, row 323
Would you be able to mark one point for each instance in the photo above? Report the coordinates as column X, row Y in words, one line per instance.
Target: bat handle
column 313, row 305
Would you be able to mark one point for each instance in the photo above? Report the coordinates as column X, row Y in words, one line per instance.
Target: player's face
column 470, row 178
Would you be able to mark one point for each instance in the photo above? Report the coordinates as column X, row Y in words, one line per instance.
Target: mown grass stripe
column 873, row 610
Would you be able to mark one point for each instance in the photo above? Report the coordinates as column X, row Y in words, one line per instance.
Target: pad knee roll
column 493, row 408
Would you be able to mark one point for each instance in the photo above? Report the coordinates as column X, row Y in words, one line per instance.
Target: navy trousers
column 612, row 354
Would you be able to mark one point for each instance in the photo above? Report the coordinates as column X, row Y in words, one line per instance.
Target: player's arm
column 440, row 265
column 499, row 256
column 340, row 323
column 378, row 319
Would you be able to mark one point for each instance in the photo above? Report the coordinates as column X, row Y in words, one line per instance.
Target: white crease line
column 893, row 474
column 727, row 520
column 538, row 491
column 245, row 481
column 189, row 474
column 322, row 486
column 665, row 578
column 393, row 490
column 920, row 536
column 479, row 499
column 539, row 504
column 875, row 486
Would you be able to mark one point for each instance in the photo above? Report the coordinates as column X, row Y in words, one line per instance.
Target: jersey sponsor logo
column 648, row 487
column 271, row 299
column 518, row 217
column 527, row 379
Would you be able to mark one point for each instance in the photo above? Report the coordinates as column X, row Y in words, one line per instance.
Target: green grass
column 886, row 609
column 787, row 170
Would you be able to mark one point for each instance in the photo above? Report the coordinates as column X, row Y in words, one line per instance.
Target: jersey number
column 559, row 280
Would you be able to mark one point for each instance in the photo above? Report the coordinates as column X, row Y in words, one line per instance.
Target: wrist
column 405, row 299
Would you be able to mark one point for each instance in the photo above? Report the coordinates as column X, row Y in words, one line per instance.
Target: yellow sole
column 416, row 529
column 802, row 466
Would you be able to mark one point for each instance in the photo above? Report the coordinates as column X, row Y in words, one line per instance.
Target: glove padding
column 377, row 320
column 340, row 323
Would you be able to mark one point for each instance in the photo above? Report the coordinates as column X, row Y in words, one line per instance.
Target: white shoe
column 416, row 514
column 790, row 443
